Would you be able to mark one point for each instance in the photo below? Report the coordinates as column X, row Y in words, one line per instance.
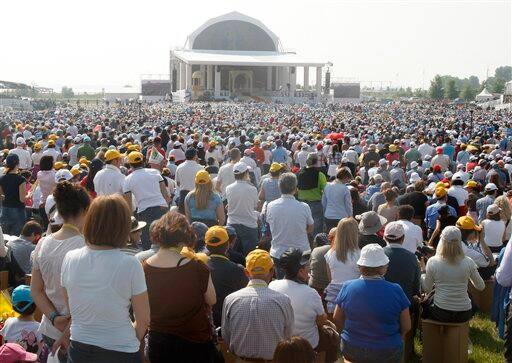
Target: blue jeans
column 149, row 215
column 317, row 211
column 247, row 238
column 12, row 220
column 369, row 355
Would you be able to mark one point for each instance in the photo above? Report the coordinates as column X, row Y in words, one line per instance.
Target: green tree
column 67, row 92
column 498, row 86
column 450, row 90
column 468, row 93
column 436, row 88
column 504, row 72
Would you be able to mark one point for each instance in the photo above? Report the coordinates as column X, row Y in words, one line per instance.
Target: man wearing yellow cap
column 269, row 188
column 227, row 276
column 52, row 151
column 432, row 212
column 247, row 333
column 110, row 180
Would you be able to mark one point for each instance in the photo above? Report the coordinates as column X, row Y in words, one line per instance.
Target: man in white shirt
column 242, row 198
column 177, row 152
column 186, row 175
column 110, row 180
column 226, row 176
column 73, row 151
column 148, row 188
column 302, row 155
column 72, row 130
column 441, row 159
column 425, row 149
column 290, row 221
column 52, row 151
column 23, row 154
column 458, row 192
column 413, row 235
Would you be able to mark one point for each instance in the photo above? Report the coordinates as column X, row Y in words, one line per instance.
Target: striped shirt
column 255, row 319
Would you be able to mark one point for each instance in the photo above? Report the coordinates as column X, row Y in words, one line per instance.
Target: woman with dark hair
column 180, row 323
column 333, row 161
column 295, row 349
column 72, row 203
column 444, row 219
column 46, row 182
column 13, row 192
column 359, row 206
column 101, row 328
column 88, row 181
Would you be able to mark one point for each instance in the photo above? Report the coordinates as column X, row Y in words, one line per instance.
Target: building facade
column 235, row 55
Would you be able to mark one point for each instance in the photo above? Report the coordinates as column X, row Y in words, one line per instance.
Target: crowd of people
column 266, row 232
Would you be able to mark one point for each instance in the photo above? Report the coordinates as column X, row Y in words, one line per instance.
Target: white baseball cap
column 395, row 163
column 373, row 255
column 240, row 167
column 414, row 164
column 63, row 174
column 415, row 177
column 394, row 231
column 20, row 141
column 382, row 162
column 490, row 187
column 493, row 209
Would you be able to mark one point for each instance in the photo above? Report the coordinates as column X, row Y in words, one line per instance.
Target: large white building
column 235, row 55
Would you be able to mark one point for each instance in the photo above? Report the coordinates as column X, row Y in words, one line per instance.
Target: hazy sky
column 105, row 43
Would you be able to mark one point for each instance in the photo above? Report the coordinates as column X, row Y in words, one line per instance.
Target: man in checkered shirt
column 255, row 319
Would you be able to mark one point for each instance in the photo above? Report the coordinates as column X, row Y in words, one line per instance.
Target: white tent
column 484, row 96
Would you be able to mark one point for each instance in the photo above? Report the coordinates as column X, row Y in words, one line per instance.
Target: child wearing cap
column 23, row 330
column 493, row 228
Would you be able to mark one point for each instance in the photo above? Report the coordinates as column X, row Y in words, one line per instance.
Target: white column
column 202, row 68
column 318, row 82
column 217, row 81
column 277, row 79
column 181, row 85
column 188, row 71
column 293, row 81
column 269, row 78
column 306, row 78
column 209, row 77
column 171, row 67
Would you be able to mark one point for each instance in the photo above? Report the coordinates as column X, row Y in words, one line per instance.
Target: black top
column 10, row 184
column 368, row 239
column 227, row 278
column 403, row 269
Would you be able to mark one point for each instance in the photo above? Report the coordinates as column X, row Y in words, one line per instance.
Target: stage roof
column 245, row 58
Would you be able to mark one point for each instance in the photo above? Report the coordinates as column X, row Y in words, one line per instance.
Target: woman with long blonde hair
column 506, row 215
column 450, row 270
column 202, row 204
column 342, row 259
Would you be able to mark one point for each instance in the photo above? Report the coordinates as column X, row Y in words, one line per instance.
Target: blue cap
column 87, row 139
column 22, row 294
column 231, row 231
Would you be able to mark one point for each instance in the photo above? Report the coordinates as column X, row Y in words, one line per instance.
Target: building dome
column 233, row 32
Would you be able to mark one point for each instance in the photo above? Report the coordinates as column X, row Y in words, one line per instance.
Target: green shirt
column 86, row 151
column 315, row 194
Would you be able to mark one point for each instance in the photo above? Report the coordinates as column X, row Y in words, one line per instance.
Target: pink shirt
column 46, row 180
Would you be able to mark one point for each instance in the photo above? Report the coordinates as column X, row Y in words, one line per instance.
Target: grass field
column 487, row 346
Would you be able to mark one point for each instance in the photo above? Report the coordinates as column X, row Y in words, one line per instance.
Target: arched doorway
column 240, row 82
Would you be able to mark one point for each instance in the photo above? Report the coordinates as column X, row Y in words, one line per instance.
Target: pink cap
column 13, row 353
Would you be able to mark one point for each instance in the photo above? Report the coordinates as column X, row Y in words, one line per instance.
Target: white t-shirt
column 343, row 271
column 413, row 236
column 306, row 304
column 24, row 156
column 186, row 174
column 47, row 258
column 242, row 199
column 24, row 333
column 225, row 177
column 100, row 285
column 109, row 181
column 459, row 193
column 144, row 184
column 493, row 232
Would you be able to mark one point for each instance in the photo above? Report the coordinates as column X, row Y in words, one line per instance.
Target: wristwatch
column 53, row 316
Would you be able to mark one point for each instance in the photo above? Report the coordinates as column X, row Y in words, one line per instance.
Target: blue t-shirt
column 449, row 150
column 372, row 313
column 209, row 212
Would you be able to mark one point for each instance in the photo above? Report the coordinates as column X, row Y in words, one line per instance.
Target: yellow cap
column 442, row 185
column 259, row 262
column 466, row 222
column 202, row 177
column 83, row 160
column 441, row 192
column 392, row 148
column 217, row 232
column 213, row 143
column 135, row 157
column 75, row 171
column 37, row 146
column 112, row 154
column 53, row 137
column 134, row 147
column 274, row 167
column 471, row 184
column 59, row 165
column 51, row 143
